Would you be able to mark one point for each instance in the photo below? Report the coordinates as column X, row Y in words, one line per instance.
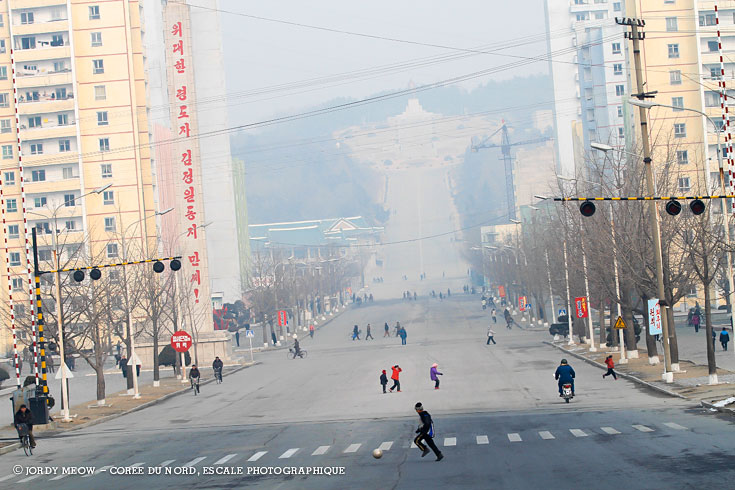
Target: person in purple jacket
column 435, row 375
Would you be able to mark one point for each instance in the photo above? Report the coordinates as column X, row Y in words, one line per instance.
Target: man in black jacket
column 217, row 366
column 24, row 416
column 426, row 433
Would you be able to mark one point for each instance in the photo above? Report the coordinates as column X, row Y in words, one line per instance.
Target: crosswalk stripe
column 195, row 461
column 32, row 477
column 98, row 471
column 6, row 477
column 674, row 425
column 578, row 433
column 386, row 446
column 257, row 456
column 352, row 448
column 483, row 440
column 413, row 445
column 320, row 450
column 610, row 430
column 225, row 459
column 59, row 477
column 135, row 465
column 545, row 434
column 166, row 463
column 514, row 437
column 642, row 428
column 450, row 441
column 288, row 453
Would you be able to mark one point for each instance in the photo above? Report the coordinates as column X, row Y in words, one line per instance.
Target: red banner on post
column 501, row 291
column 581, row 307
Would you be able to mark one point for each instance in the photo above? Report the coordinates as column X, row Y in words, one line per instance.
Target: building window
column 671, row 24
column 684, row 184
column 616, row 48
column 44, row 255
column 7, row 152
column 38, row 175
column 62, row 119
column 94, row 12
column 707, row 20
column 96, row 38
column 600, row 15
column 111, row 250
column 14, row 259
column 36, row 148
column 104, row 144
column 68, row 172
column 2, row 46
column 98, row 66
column 682, row 157
column 9, row 178
column 17, row 284
column 617, row 69
column 713, row 46
column 675, row 77
column 5, row 126
column 70, row 225
column 102, row 118
column 583, row 16
column 39, row 202
column 714, row 73
column 621, row 133
column 100, row 93
column 26, row 17
column 42, row 227
column 70, row 200
column 673, row 50
column 677, row 102
column 11, row 205
column 3, row 72
column 680, row 130
column 2, row 21
column 616, row 7
column 4, row 100
column 106, row 170
column 619, row 90
column 34, row 122
column 64, row 145
column 110, row 224
column 14, row 231
column 108, row 197
column 620, row 111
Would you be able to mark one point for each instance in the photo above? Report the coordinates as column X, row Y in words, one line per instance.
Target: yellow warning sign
column 619, row 323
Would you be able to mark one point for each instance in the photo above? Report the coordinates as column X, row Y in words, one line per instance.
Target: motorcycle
column 566, row 392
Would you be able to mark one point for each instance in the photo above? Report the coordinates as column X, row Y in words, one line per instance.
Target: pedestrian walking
column 495, row 319
column 397, row 328
column 695, row 322
column 273, row 338
column 50, row 364
column 20, row 365
column 311, row 331
column 434, row 375
column 387, row 330
column 237, row 338
column 118, row 347
column 714, row 338
column 123, row 365
column 724, row 338
column 490, row 336
column 426, row 433
column 117, row 360
column 610, row 368
column 395, row 377
column 367, row 333
column 384, row 380
column 403, row 335
column 355, row 333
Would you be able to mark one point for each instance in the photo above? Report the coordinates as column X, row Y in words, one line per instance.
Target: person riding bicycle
column 565, row 374
column 296, row 347
column 194, row 376
column 217, row 366
column 24, row 416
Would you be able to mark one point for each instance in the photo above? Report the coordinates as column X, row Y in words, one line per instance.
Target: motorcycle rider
column 565, row 374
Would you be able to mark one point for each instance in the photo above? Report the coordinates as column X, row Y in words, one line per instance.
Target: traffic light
column 673, row 207
column 587, row 208
column 697, row 207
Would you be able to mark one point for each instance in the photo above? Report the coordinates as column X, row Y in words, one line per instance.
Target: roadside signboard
column 282, row 318
column 654, row 317
column 581, row 307
column 501, row 291
column 619, row 323
column 562, row 311
column 181, row 341
column 522, row 303
column 249, row 334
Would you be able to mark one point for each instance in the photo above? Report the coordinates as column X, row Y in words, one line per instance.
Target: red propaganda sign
column 181, row 341
column 501, row 291
column 581, row 307
column 522, row 303
column 282, row 318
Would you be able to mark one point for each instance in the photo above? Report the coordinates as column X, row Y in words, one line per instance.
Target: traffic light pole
column 39, row 317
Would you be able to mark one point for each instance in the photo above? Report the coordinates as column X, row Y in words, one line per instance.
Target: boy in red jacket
column 610, row 365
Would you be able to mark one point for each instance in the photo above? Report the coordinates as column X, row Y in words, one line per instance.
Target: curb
column 711, row 407
column 622, row 375
column 285, row 342
column 9, row 448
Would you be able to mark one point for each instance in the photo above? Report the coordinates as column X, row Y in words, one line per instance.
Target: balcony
column 42, row 78
column 45, row 105
column 713, row 58
column 66, row 157
column 44, row 52
column 41, row 27
column 34, row 4
column 50, row 187
column 48, row 132
column 66, row 236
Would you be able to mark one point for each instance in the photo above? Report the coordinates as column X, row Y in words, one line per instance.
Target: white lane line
column 483, row 440
column 6, row 477
column 413, row 445
column 674, row 425
column 288, row 453
column 578, row 433
column 257, row 456
column 195, row 461
column 135, row 465
column 386, row 446
column 32, row 477
column 225, row 459
column 642, row 428
column 352, row 448
column 59, row 477
column 545, row 434
column 450, row 441
column 514, row 437
column 610, row 430
column 320, row 450
column 166, row 463
column 98, row 471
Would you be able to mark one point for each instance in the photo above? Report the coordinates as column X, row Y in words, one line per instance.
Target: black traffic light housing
column 673, row 207
column 587, row 208
column 697, row 206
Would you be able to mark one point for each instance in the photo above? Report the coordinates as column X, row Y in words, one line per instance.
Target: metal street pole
column 551, row 291
column 587, row 292
column 569, row 298
column 60, row 323
column 623, row 359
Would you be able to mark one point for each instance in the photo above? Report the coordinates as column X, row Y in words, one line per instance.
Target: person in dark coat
column 384, row 380
column 24, row 416
column 367, row 333
column 714, row 338
column 124, row 365
column 387, row 330
column 724, row 338
column 403, row 335
column 273, row 337
column 565, row 374
column 426, row 433
column 355, row 333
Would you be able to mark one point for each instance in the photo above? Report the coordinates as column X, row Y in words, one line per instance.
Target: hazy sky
column 262, row 54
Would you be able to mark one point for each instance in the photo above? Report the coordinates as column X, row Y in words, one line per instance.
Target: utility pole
column 551, row 290
column 637, row 36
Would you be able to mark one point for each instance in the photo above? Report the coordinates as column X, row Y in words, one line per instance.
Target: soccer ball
column 377, row 453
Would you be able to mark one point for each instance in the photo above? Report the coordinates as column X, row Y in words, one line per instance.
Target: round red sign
column 181, row 341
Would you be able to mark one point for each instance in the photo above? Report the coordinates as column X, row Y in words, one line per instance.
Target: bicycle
column 194, row 386
column 218, row 375
column 25, row 439
column 291, row 354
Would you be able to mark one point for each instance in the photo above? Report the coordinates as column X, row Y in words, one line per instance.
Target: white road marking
column 610, row 430
column 450, row 441
column 386, row 446
column 288, row 453
column 578, row 432
column 225, row 459
column 642, row 428
column 320, row 450
column 483, row 440
column 514, row 437
column 166, row 463
column 59, row 477
column 674, row 426
column 257, row 456
column 98, row 470
column 413, row 445
column 135, row 465
column 195, row 461
column 545, row 434
column 352, row 448
column 7, row 477
column 32, row 477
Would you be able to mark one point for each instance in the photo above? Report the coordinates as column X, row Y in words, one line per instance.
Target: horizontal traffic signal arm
column 102, row 266
column 653, row 198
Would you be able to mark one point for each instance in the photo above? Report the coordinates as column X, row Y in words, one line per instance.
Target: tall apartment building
column 590, row 77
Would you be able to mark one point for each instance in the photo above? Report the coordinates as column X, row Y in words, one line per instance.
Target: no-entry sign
column 181, row 341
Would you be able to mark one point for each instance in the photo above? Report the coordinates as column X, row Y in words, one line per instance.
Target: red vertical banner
column 501, row 291
column 581, row 307
column 282, row 318
column 522, row 303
